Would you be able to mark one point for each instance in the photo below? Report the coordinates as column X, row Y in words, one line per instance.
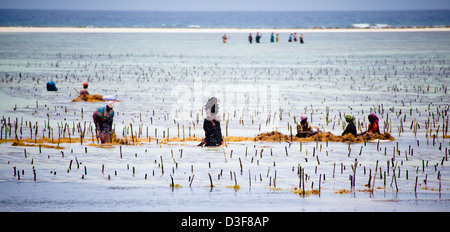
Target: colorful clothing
column 374, row 128
column 213, row 133
column 51, row 86
column 258, row 37
column 84, row 92
column 103, row 123
column 303, row 127
column 304, row 130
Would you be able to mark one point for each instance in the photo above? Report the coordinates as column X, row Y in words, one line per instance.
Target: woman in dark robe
column 351, row 128
column 211, row 124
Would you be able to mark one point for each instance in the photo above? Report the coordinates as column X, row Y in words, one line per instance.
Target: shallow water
column 163, row 80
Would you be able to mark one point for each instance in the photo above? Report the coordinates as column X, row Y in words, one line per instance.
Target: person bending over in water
column 103, row 119
column 303, row 128
column 211, row 125
column 351, row 128
column 51, row 86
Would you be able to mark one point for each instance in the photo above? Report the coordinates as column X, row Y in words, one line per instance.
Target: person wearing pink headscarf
column 303, row 127
column 373, row 125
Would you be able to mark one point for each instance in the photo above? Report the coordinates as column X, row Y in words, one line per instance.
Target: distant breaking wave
column 361, row 25
column 367, row 25
column 225, row 19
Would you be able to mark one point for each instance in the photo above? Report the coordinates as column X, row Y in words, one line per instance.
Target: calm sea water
column 158, row 19
column 402, row 76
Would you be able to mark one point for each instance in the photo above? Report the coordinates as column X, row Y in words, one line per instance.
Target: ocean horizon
column 224, row 19
column 52, row 159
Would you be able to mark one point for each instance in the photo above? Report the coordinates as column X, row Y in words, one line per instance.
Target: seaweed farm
column 52, row 160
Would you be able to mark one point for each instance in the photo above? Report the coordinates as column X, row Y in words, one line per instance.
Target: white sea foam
column 194, row 26
column 361, row 25
column 380, row 25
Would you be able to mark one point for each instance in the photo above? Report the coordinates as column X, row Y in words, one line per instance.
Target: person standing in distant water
column 290, row 38
column 258, row 37
column 301, row 38
column 225, row 38
column 276, row 38
column 272, row 38
column 250, row 38
column 295, row 36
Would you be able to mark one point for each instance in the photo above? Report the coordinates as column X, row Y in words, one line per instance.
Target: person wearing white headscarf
column 211, row 124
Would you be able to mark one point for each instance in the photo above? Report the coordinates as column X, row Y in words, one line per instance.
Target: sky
column 227, row 5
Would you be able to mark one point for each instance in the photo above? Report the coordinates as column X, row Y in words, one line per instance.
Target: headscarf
column 212, row 110
column 110, row 104
column 373, row 118
column 303, row 117
column 349, row 118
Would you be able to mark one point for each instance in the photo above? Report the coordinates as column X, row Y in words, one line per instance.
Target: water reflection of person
column 211, row 124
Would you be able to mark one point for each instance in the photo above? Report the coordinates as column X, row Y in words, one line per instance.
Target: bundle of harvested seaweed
column 276, row 136
column 89, row 98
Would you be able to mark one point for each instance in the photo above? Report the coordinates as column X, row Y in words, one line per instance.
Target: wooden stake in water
column 210, row 179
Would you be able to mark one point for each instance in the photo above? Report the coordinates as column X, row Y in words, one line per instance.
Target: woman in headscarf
column 211, row 124
column 351, row 128
column 258, row 37
column 374, row 127
column 103, row 119
column 84, row 92
column 303, row 128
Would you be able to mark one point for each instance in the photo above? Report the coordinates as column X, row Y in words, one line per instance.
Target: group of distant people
column 273, row 38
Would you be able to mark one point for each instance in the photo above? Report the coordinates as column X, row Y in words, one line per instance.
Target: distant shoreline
column 208, row 30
